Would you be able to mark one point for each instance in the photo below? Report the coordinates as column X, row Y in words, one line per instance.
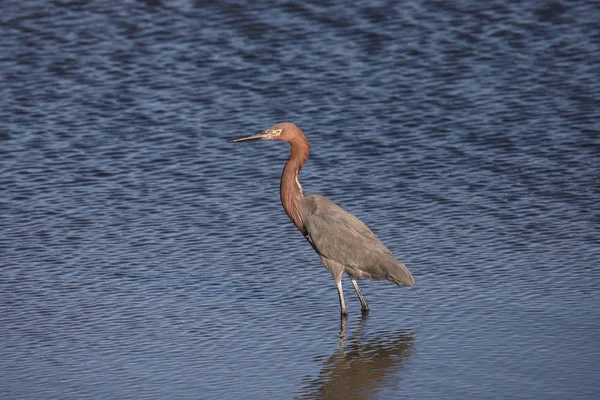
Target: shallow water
column 144, row 257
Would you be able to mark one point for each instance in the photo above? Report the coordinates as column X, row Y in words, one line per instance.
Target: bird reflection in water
column 362, row 366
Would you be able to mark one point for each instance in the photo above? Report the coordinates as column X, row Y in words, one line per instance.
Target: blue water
column 143, row 257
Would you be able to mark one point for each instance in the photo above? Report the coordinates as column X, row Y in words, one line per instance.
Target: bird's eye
column 277, row 131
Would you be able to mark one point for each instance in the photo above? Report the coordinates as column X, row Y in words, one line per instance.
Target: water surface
column 143, row 257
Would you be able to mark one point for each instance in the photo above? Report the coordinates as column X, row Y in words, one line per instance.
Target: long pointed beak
column 256, row 136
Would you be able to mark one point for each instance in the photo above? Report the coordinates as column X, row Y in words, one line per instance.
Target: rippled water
column 144, row 257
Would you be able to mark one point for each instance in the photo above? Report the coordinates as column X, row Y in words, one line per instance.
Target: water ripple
column 144, row 257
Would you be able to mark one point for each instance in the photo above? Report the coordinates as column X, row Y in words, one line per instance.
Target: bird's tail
column 402, row 276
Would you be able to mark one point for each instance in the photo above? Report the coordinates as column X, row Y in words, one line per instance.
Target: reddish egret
column 343, row 242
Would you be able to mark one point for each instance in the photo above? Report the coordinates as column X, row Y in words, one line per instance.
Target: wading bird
column 343, row 242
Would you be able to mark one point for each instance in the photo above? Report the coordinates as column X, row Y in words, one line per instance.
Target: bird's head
column 285, row 131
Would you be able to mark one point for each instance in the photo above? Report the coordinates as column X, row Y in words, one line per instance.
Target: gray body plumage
column 346, row 244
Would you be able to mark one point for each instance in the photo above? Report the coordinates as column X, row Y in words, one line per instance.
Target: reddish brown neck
column 290, row 190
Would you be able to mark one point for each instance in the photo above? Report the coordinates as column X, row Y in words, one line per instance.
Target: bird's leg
column 342, row 334
column 338, row 282
column 363, row 304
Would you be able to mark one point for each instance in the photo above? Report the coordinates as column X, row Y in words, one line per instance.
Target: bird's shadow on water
column 362, row 366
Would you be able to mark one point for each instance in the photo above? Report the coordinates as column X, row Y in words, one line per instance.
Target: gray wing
column 340, row 236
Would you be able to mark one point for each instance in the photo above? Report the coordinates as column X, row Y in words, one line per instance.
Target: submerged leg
column 342, row 334
column 338, row 282
column 363, row 304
